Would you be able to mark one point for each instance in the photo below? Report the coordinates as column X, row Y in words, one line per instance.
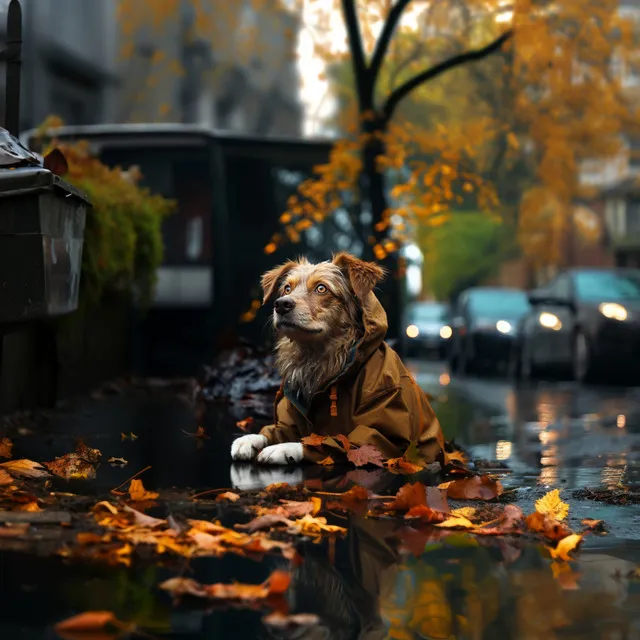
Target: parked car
column 428, row 328
column 585, row 321
column 484, row 325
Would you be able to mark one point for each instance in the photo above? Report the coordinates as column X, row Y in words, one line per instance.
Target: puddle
column 384, row 579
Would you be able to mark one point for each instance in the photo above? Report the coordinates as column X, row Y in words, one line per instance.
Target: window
column 499, row 303
column 561, row 287
column 608, row 285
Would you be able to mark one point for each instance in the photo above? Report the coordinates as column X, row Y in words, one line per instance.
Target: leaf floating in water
column 137, row 492
column 25, row 469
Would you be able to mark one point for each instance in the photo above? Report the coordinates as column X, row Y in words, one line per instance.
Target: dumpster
column 42, row 220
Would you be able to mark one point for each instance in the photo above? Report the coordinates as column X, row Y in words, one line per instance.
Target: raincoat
column 374, row 400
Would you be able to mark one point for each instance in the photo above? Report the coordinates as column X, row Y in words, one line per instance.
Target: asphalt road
column 551, row 434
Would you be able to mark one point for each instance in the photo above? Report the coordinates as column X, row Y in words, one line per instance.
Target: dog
column 339, row 377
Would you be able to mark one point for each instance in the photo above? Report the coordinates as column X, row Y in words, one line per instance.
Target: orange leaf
column 416, row 494
column 366, row 454
column 402, row 466
column 137, row 492
column 278, row 582
column 458, row 456
column 343, row 440
column 245, row 424
column 5, row 478
column 327, row 462
column 313, row 440
column 549, row 527
column 24, row 468
column 5, row 448
column 425, row 514
column 473, row 488
column 88, row 621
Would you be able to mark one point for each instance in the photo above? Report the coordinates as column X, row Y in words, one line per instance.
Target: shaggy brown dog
column 339, row 376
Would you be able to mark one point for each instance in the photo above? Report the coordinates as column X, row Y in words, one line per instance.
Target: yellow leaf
column 551, row 504
column 464, row 512
column 565, row 546
column 456, row 522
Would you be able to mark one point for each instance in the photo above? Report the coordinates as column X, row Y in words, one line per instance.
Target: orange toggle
column 333, row 396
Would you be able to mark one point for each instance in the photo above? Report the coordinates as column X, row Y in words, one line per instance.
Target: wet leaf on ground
column 552, row 505
column 227, row 496
column 118, row 462
column 549, row 527
column 5, row 478
column 24, row 469
column 5, row 448
column 565, row 547
column 473, row 488
column 595, row 526
column 366, row 454
column 138, row 493
column 90, row 621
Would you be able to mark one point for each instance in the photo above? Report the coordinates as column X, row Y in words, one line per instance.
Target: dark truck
column 231, row 191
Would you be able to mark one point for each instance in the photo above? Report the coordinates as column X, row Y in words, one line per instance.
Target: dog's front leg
column 247, row 447
column 285, row 453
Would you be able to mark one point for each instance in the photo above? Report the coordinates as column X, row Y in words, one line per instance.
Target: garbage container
column 42, row 220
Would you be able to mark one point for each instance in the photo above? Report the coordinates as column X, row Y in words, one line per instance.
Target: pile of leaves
column 245, row 377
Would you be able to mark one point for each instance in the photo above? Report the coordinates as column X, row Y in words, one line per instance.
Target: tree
column 464, row 251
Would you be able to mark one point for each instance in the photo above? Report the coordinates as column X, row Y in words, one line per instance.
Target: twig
column 339, row 494
column 208, row 491
column 133, row 477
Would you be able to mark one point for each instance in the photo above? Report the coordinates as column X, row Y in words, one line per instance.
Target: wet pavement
column 552, row 435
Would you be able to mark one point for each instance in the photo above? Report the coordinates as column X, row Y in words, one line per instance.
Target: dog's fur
column 317, row 335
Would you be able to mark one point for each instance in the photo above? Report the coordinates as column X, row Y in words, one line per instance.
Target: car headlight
column 412, row 331
column 613, row 311
column 503, row 326
column 550, row 321
column 446, row 332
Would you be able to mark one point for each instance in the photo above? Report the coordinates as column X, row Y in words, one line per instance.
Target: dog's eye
column 287, row 288
column 321, row 289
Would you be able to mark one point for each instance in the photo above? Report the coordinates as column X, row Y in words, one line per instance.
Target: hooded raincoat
column 374, row 400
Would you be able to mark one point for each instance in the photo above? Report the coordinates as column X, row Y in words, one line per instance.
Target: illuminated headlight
column 446, row 332
column 413, row 331
column 550, row 321
column 503, row 326
column 613, row 311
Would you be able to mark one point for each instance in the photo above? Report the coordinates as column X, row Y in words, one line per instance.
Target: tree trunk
column 374, row 190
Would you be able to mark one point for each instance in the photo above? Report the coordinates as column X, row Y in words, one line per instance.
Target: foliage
column 123, row 236
column 464, row 251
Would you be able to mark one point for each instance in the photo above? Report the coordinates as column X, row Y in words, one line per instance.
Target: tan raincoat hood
column 373, row 401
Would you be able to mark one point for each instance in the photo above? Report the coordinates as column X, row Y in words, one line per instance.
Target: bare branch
column 360, row 70
column 469, row 56
column 385, row 38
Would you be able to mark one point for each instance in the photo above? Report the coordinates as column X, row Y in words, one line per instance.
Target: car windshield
column 499, row 303
column 609, row 285
column 428, row 313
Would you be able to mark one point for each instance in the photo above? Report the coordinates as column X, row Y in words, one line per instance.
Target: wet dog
column 338, row 374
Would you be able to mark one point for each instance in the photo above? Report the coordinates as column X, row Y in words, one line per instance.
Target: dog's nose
column 284, row 305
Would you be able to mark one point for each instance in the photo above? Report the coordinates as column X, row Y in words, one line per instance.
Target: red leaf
column 313, row 440
column 245, row 424
column 353, row 499
column 473, row 488
column 402, row 466
column 511, row 521
column 366, row 454
column 88, row 621
column 416, row 494
column 425, row 514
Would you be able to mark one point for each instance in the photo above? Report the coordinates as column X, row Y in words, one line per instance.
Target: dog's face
column 315, row 301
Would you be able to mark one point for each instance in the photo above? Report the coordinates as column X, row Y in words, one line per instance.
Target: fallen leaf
column 200, row 433
column 137, row 492
column 131, row 436
column 596, row 526
column 5, row 448
column 367, row 478
column 87, row 453
column 89, row 621
column 511, row 521
column 327, row 462
column 227, row 496
column 456, row 522
column 25, row 468
column 366, row 454
column 88, row 537
column 314, row 527
column 265, row 522
column 245, row 424
column 565, row 546
column 290, row 622
column 313, row 440
column 277, row 584
column 32, row 507
column 549, row 527
column 352, row 499
column 143, row 520
column 473, row 488
column 402, row 466
column 72, row 467
column 415, row 494
column 551, row 505
column 106, row 505
column 343, row 440
column 5, row 478
column 297, row 509
column 465, row 512
column 425, row 514
column 118, row 462
column 457, row 456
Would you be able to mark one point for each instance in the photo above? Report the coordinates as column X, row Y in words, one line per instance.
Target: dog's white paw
column 285, row 453
column 247, row 447
column 251, row 478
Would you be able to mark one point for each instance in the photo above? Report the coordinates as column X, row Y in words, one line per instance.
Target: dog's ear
column 270, row 279
column 363, row 276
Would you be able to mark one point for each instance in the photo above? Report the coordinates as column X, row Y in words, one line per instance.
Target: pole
column 13, row 57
